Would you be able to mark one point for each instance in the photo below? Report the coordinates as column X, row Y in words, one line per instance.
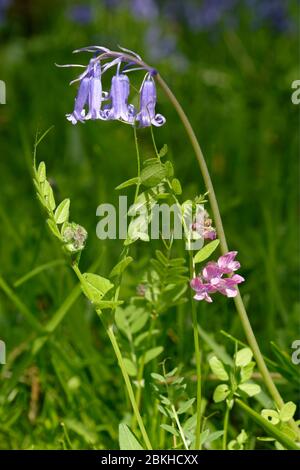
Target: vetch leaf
column 163, row 151
column 95, row 287
column 287, row 411
column 62, row 212
column 127, row 441
column 221, row 393
column 185, row 406
column 176, row 186
column 130, row 367
column 250, row 389
column 272, row 430
column 158, row 377
column 152, row 354
column 53, row 227
column 214, row 436
column 48, row 194
column 121, row 321
column 121, row 266
column 271, row 415
column 109, row 304
column 206, row 251
column 242, row 437
column 204, row 436
column 130, row 182
column 218, row 368
column 246, row 372
column 139, row 323
column 154, row 174
column 169, row 169
column 243, row 357
column 169, row 429
column 41, row 172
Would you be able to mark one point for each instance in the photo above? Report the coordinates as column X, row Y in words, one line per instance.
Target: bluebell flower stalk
column 91, row 95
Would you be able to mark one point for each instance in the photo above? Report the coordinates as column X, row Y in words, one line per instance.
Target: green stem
column 269, row 428
column 226, row 420
column 138, row 158
column 198, row 361
column 33, row 322
column 223, row 243
column 114, row 343
column 179, row 427
column 128, row 384
column 140, row 375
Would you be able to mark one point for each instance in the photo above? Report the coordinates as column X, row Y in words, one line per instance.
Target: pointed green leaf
column 158, row 377
column 169, row 429
column 206, row 251
column 214, row 436
column 185, row 406
column 130, row 182
column 95, row 287
column 53, row 227
column 62, row 212
column 152, row 354
column 41, row 172
column 121, row 266
column 154, row 174
column 139, row 323
column 163, row 151
column 127, row 441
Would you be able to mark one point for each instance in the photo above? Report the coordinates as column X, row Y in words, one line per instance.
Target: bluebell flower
column 88, row 103
column 89, row 94
column 146, row 116
column 119, row 93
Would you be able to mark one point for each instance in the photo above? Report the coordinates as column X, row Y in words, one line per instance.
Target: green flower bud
column 74, row 237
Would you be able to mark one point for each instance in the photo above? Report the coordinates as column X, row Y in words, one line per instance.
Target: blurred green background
column 231, row 65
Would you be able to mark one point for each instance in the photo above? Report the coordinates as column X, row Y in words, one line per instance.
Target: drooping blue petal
column 95, row 93
column 80, row 101
column 119, row 93
column 146, row 115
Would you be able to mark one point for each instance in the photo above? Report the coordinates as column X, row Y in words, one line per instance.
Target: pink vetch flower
column 202, row 289
column 211, row 279
column 203, row 225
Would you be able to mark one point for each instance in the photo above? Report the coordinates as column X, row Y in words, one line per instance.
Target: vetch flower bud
column 74, row 237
